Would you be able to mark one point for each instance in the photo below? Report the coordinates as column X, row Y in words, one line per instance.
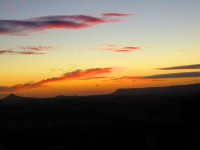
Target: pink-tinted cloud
column 86, row 19
column 111, row 45
column 23, row 27
column 116, row 15
column 115, row 48
column 132, row 48
column 76, row 75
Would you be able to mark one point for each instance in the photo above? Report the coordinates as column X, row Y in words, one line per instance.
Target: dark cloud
column 19, row 52
column 160, row 77
column 195, row 66
column 128, row 78
column 174, row 75
column 23, row 27
column 75, row 75
column 136, row 79
column 6, row 52
column 27, row 50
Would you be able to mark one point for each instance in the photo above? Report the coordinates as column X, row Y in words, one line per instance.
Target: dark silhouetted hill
column 117, row 121
column 177, row 90
column 13, row 97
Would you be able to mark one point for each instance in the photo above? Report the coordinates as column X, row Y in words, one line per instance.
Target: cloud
column 19, row 52
column 135, row 80
column 160, row 77
column 116, row 15
column 27, row 50
column 75, row 75
column 24, row 52
column 115, row 48
column 28, row 53
column 128, row 78
column 35, row 48
column 23, row 27
column 6, row 52
column 92, row 78
column 174, row 75
column 195, row 66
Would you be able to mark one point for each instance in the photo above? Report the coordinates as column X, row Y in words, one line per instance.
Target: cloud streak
column 24, row 27
column 174, row 75
column 10, row 52
column 35, row 48
column 27, row 50
column 6, row 52
column 128, row 78
column 125, row 49
column 160, row 77
column 195, row 66
column 76, row 75
column 94, row 78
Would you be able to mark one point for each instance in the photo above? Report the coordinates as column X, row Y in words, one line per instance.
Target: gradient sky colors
column 86, row 47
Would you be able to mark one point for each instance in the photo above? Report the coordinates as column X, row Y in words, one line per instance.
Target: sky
column 92, row 47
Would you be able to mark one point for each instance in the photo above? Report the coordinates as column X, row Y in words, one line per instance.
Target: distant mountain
column 178, row 90
column 13, row 98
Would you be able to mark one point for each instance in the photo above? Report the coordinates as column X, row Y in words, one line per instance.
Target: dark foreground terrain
column 142, row 122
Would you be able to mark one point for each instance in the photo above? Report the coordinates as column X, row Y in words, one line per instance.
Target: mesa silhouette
column 177, row 90
column 143, row 119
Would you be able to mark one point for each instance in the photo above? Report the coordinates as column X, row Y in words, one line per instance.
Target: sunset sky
column 87, row 47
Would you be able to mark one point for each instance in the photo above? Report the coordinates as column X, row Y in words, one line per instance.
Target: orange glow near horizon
column 71, row 50
column 95, row 86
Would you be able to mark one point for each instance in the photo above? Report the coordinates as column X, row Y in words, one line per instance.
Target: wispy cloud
column 128, row 78
column 159, row 77
column 135, row 80
column 174, row 75
column 75, row 75
column 28, row 53
column 24, row 27
column 36, row 48
column 115, row 48
column 19, row 52
column 94, row 78
column 9, row 51
column 195, row 66
column 26, row 50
